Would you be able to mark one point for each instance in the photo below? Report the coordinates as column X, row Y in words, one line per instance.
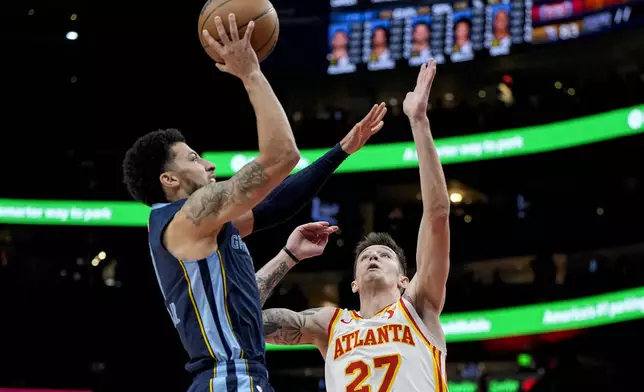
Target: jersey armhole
column 332, row 323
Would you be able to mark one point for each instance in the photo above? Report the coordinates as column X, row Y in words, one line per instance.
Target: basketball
column 261, row 12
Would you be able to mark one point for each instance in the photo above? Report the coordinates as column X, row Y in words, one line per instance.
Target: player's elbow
column 438, row 209
column 280, row 163
column 291, row 157
column 437, row 219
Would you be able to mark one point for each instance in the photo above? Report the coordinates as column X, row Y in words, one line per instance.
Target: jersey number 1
column 391, row 364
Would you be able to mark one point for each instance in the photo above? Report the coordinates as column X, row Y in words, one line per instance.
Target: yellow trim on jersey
column 386, row 308
column 252, row 389
column 409, row 318
column 332, row 323
column 194, row 305
column 436, row 355
column 210, row 383
column 356, row 316
column 438, row 376
column 230, row 322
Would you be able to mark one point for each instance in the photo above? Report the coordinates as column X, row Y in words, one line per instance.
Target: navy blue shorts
column 234, row 376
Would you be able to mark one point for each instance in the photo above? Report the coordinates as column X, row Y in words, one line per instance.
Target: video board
column 383, row 34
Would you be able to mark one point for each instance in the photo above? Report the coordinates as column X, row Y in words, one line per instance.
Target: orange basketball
column 262, row 12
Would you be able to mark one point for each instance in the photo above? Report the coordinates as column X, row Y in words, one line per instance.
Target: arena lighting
column 615, row 307
column 456, row 197
column 102, row 255
column 72, row 35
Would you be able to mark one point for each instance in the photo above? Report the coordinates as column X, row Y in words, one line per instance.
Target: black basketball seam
column 269, row 40
column 208, row 17
column 263, row 14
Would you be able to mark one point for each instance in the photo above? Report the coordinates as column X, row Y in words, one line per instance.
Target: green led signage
column 471, row 148
column 579, row 313
column 73, row 213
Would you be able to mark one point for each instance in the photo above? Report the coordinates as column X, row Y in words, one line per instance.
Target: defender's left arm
column 297, row 190
column 306, row 241
column 272, row 273
column 427, row 288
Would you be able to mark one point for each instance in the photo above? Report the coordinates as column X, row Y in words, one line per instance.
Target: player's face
column 421, row 34
column 340, row 40
column 501, row 22
column 379, row 37
column 378, row 265
column 188, row 170
column 462, row 33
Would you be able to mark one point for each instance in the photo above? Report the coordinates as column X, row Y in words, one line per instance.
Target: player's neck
column 372, row 302
column 174, row 196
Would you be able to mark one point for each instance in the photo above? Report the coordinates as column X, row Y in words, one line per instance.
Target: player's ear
column 169, row 179
column 403, row 282
column 354, row 287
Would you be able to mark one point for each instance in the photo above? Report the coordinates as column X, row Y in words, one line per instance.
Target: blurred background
column 538, row 110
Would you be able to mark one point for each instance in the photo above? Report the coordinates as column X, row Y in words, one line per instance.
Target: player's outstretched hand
column 239, row 56
column 309, row 240
column 362, row 131
column 415, row 104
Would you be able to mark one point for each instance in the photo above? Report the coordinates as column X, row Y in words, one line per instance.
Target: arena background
column 81, row 309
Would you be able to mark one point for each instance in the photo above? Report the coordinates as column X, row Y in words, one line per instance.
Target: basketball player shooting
column 395, row 342
column 197, row 224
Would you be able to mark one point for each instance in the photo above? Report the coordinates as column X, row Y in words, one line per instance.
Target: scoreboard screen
column 385, row 34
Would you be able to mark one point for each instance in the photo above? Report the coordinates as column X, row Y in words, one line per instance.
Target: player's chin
column 373, row 273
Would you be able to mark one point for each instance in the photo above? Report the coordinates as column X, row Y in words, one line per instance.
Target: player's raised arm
column 288, row 328
column 432, row 254
column 217, row 203
column 297, row 190
column 284, row 326
column 306, row 241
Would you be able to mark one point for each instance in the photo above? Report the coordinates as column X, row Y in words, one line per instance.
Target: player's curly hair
column 145, row 161
column 381, row 239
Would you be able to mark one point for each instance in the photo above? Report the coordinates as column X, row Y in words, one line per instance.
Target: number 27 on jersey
column 362, row 370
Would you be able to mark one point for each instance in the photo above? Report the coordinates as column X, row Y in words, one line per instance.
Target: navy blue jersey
column 213, row 302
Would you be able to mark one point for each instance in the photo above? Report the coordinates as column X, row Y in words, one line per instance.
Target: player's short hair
column 463, row 20
column 383, row 239
column 145, row 161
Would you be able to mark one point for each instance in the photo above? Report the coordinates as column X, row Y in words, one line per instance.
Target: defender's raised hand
column 239, row 56
column 309, row 240
column 415, row 104
column 362, row 131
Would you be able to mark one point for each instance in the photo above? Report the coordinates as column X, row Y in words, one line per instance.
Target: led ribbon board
column 579, row 313
column 471, row 148
column 73, row 213
column 521, row 141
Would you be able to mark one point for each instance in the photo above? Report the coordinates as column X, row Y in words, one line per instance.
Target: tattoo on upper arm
column 266, row 284
column 214, row 197
column 286, row 327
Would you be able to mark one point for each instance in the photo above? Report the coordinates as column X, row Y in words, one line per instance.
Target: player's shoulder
column 165, row 211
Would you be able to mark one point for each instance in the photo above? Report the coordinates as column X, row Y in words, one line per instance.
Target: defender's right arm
column 288, row 328
column 215, row 204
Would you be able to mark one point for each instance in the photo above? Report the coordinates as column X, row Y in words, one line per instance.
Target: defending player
column 196, row 226
column 395, row 342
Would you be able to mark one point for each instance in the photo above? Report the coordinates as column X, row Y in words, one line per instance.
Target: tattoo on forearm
column 213, row 197
column 286, row 327
column 267, row 282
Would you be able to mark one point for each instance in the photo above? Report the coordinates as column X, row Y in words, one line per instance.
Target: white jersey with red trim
column 391, row 352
